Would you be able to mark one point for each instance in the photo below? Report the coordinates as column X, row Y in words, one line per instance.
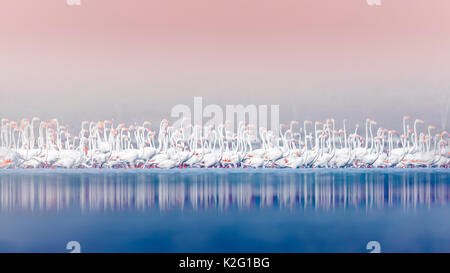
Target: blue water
column 225, row 210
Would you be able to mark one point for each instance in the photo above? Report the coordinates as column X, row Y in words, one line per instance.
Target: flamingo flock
column 34, row 143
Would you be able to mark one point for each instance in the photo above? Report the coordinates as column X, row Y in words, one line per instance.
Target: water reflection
column 324, row 190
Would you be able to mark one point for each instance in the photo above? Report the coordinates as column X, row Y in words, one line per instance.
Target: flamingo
column 36, row 143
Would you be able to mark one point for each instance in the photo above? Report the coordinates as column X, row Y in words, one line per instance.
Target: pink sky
column 133, row 58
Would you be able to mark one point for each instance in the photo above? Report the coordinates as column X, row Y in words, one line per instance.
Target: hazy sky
column 132, row 60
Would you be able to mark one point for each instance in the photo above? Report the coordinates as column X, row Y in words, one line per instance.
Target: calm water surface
column 225, row 210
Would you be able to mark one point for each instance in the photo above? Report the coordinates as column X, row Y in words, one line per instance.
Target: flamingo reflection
column 220, row 191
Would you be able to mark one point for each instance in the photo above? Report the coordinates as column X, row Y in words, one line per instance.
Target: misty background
column 132, row 61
